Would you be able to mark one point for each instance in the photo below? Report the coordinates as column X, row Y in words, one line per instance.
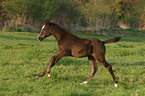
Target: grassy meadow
column 22, row 57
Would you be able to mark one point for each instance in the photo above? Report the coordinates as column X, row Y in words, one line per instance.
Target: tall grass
column 22, row 57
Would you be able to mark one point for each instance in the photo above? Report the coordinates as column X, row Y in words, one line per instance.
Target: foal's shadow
column 136, row 64
column 67, row 61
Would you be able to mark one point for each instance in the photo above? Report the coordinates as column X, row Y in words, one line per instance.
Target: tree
column 1, row 15
column 34, row 11
column 96, row 14
column 130, row 12
column 138, row 14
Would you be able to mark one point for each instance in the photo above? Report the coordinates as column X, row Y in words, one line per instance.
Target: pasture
column 22, row 57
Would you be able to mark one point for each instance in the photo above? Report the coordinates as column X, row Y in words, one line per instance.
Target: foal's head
column 45, row 31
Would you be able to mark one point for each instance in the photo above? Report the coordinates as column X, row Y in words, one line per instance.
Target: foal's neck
column 59, row 33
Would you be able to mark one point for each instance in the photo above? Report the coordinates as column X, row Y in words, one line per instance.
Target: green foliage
column 130, row 12
column 15, row 8
column 35, row 9
column 22, row 57
column 95, row 13
column 50, row 10
column 138, row 11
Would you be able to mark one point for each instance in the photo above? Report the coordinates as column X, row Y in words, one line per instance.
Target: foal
column 71, row 45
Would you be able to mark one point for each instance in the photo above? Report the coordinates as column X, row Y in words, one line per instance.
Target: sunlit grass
column 22, row 57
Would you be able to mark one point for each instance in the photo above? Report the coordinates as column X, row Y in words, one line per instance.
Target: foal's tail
column 112, row 40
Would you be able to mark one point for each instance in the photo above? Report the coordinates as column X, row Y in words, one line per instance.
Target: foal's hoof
column 116, row 85
column 85, row 82
column 49, row 75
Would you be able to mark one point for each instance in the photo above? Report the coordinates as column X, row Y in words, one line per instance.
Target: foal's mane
column 60, row 29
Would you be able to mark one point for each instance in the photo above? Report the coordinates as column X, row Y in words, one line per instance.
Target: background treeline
column 75, row 15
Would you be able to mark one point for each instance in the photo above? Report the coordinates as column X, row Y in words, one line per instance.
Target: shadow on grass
column 24, row 38
column 17, row 38
column 75, row 94
column 133, row 39
column 134, row 64
column 67, row 61
column 126, row 64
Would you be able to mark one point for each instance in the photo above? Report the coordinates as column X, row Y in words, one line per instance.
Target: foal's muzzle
column 39, row 38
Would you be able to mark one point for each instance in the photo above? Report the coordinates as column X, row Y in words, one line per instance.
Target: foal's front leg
column 94, row 69
column 53, row 61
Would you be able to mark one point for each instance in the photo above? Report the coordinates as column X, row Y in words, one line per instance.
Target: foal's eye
column 45, row 29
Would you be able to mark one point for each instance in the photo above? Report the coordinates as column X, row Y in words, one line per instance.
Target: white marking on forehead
column 43, row 27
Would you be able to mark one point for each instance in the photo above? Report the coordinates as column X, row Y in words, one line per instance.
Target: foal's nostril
column 39, row 38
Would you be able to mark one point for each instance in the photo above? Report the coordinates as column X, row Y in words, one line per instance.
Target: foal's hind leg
column 53, row 61
column 109, row 68
column 94, row 68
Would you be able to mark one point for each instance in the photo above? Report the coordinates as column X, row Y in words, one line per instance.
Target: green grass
column 22, row 57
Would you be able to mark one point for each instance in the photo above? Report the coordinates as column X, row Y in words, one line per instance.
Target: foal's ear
column 47, row 22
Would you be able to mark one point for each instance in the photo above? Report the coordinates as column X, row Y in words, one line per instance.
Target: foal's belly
column 81, row 52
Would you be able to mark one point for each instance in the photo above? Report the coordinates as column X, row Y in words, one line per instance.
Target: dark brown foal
column 71, row 45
